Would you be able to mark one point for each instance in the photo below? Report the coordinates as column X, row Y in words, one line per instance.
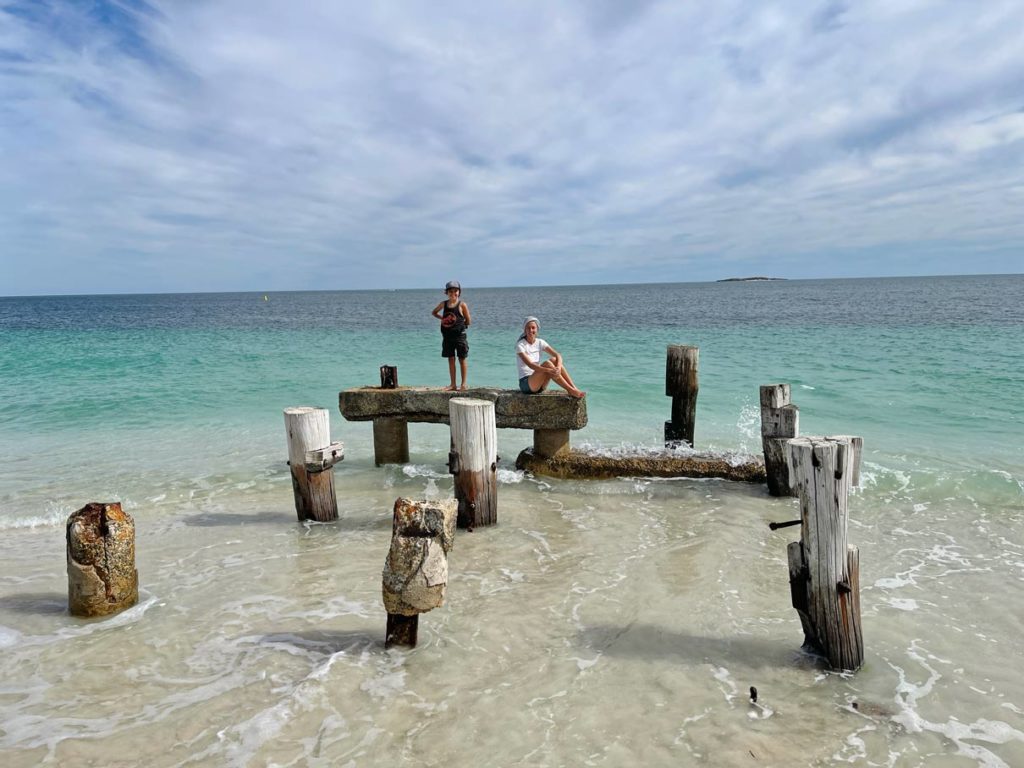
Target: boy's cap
column 452, row 284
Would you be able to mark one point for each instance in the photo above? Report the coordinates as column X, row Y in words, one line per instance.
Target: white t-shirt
column 532, row 352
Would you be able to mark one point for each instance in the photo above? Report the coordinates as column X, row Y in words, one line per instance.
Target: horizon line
column 758, row 278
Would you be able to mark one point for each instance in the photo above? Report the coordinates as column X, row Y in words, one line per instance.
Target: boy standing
column 454, row 316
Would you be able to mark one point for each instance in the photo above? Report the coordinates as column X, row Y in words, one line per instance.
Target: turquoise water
column 599, row 623
column 928, row 370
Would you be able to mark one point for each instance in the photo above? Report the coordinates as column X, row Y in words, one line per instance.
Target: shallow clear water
column 599, row 622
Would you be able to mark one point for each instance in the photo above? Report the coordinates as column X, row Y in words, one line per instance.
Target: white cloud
column 221, row 145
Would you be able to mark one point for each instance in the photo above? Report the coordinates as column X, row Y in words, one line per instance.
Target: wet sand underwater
column 599, row 623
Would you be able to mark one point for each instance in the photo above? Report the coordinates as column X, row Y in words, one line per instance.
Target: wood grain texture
column 681, row 384
column 780, row 421
column 475, row 440
column 822, row 469
column 309, row 429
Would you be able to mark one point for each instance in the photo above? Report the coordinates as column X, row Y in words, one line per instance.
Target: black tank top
column 452, row 321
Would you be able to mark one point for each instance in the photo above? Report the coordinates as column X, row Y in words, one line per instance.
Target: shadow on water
column 36, row 603
column 649, row 642
column 345, row 521
column 327, row 643
column 215, row 519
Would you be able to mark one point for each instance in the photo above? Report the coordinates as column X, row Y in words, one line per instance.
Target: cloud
column 221, row 145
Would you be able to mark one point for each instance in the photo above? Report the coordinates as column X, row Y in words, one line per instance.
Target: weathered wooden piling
column 102, row 578
column 474, row 460
column 681, row 385
column 780, row 421
column 824, row 571
column 312, row 456
column 416, row 570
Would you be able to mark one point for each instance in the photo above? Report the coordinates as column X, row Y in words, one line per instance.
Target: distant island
column 746, row 279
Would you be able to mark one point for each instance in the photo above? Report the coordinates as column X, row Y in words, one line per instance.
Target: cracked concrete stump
column 415, row 573
column 102, row 578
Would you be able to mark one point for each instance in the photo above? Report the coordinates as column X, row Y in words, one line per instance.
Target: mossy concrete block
column 512, row 409
column 577, row 465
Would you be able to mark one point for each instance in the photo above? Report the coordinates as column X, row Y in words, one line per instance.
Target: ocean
column 600, row 622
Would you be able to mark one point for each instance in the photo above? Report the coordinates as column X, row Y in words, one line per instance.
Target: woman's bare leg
column 538, row 381
column 568, row 378
column 562, row 379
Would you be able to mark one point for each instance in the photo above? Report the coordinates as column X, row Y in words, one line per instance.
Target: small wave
column 510, row 476
column 8, row 636
column 55, row 514
column 422, row 470
column 749, row 421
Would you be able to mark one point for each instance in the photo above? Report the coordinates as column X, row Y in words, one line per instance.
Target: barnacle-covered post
column 102, row 578
column 416, row 570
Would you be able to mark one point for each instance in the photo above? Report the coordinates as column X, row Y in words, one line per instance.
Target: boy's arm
column 465, row 313
column 436, row 310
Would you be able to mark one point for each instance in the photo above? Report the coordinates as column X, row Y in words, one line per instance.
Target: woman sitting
column 534, row 375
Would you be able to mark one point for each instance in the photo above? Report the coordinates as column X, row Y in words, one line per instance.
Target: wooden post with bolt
column 102, row 578
column 474, row 460
column 312, row 456
column 780, row 422
column 681, row 385
column 824, row 571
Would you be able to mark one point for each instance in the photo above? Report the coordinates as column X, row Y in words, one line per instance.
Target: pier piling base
column 681, row 384
column 824, row 570
column 475, row 442
column 415, row 572
column 309, row 430
column 780, row 422
column 102, row 578
column 390, row 441
column 550, row 442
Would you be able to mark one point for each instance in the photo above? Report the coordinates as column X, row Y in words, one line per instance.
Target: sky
column 218, row 145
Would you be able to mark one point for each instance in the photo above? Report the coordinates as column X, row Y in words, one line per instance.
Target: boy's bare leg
column 451, row 374
column 462, row 368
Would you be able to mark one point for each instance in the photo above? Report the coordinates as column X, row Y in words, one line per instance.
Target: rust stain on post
column 102, row 578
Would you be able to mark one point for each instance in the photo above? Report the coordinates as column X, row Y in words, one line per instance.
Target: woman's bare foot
column 462, row 388
column 450, row 388
column 579, row 394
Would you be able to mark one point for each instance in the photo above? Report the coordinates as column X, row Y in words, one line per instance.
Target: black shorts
column 455, row 345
